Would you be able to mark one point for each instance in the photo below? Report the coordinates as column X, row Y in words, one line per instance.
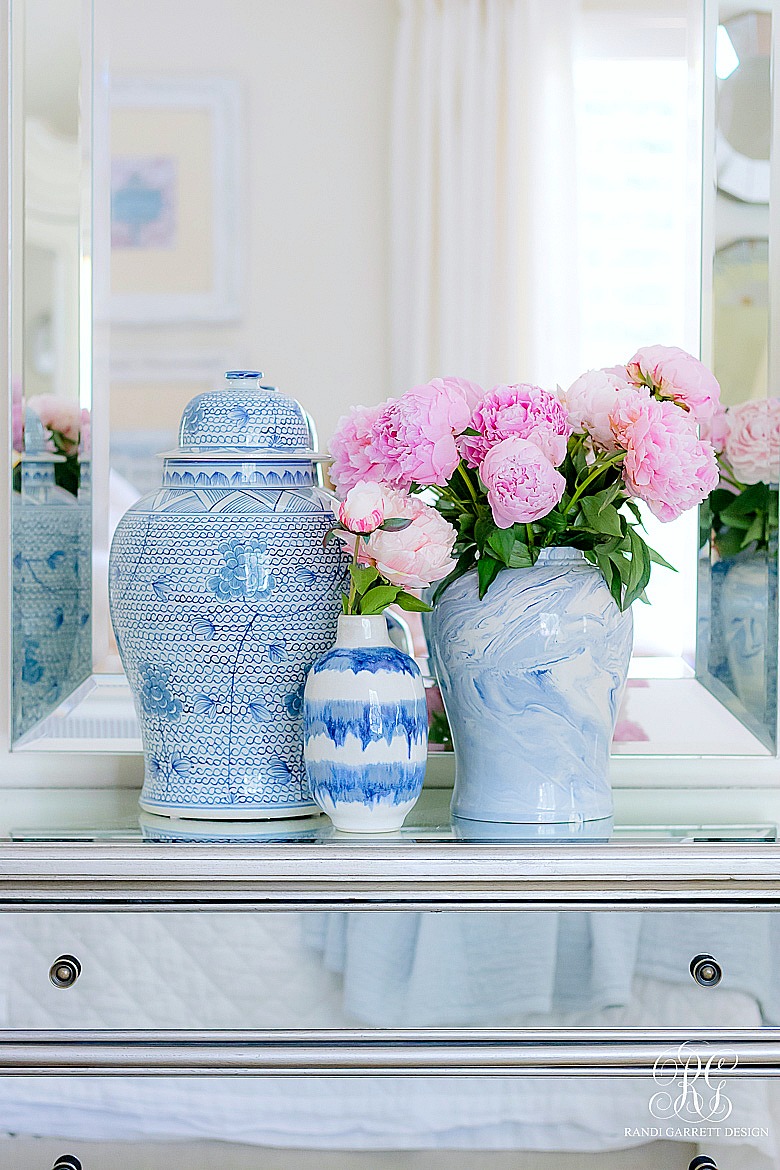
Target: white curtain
column 483, row 200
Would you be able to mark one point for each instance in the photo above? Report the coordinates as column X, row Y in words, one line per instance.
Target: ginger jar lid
column 247, row 420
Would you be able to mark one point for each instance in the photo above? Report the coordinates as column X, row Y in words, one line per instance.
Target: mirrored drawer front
column 404, row 969
column 451, row 1124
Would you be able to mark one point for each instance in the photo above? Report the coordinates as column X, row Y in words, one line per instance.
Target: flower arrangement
column 68, row 428
column 518, row 468
column 744, row 506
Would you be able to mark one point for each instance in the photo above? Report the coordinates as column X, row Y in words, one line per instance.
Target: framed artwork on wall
column 173, row 172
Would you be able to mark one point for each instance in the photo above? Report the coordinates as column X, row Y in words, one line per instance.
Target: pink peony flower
column 672, row 373
column 524, row 411
column 716, row 429
column 17, row 416
column 412, row 557
column 666, row 464
column 591, row 399
column 363, row 509
column 351, row 447
column 58, row 414
column 470, row 391
column 522, row 483
column 414, row 435
column 752, row 447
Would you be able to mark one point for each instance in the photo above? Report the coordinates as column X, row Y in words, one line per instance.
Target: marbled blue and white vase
column 222, row 598
column 531, row 678
column 365, row 729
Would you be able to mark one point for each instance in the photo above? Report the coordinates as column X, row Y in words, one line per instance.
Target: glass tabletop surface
column 53, row 819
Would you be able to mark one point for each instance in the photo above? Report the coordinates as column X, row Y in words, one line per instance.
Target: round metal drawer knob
column 67, row 1162
column 708, row 973
column 64, row 972
column 703, row 1162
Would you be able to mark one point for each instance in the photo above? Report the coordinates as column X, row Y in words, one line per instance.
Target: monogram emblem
column 692, row 1085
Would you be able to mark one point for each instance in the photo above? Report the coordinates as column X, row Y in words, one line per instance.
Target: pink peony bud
column 363, row 509
column 522, row 484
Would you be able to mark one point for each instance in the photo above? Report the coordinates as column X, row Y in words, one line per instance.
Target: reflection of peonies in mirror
column 68, row 427
column 519, row 468
column 745, row 504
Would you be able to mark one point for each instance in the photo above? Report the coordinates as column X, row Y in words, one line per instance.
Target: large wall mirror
column 354, row 196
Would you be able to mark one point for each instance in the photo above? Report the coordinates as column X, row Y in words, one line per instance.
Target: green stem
column 597, row 471
column 467, row 481
column 352, row 586
column 529, row 535
column 448, row 495
column 730, row 479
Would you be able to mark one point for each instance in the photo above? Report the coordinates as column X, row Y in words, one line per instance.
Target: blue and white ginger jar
column 222, row 597
column 532, row 677
column 52, row 562
column 365, row 729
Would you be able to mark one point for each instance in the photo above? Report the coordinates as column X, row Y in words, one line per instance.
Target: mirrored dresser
column 364, row 194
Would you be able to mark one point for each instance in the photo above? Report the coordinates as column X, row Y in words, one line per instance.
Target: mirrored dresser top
column 85, row 849
column 430, row 822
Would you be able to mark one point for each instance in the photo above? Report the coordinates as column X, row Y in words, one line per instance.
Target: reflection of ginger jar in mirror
column 51, row 582
column 745, row 596
column 222, row 597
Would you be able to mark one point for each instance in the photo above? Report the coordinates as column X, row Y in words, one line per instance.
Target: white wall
column 315, row 79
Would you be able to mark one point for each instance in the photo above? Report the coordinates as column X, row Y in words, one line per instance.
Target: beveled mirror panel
column 251, row 191
column 737, row 650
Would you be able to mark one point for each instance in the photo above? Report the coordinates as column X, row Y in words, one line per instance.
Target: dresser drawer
column 391, row 969
column 705, row 1122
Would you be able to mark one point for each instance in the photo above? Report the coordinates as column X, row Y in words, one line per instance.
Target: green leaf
column 470, row 432
column 635, row 510
column 639, row 574
column 729, row 542
column 377, row 599
column 521, row 556
column 484, row 528
column 466, row 524
column 363, row 576
column 610, row 494
column 753, row 499
column 501, row 542
column 657, row 559
column 612, row 577
column 488, row 569
column 395, row 524
column 409, row 602
column 600, row 516
column 755, row 531
column 554, row 521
